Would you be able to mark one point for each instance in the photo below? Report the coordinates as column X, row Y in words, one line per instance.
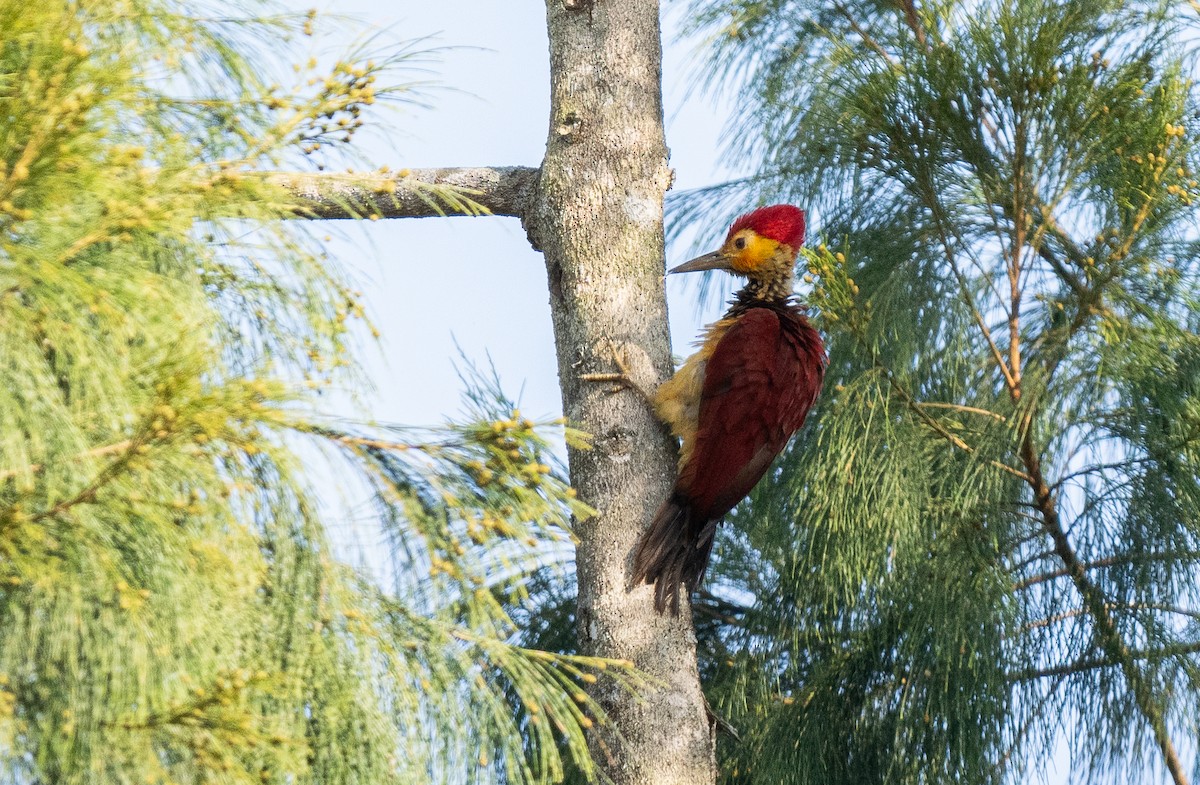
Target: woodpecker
column 735, row 402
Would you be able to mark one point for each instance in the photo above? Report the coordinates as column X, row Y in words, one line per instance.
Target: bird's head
column 760, row 245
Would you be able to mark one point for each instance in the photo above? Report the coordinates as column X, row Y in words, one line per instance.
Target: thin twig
column 37, row 468
column 913, row 20
column 1092, row 663
column 1028, row 724
column 948, row 250
column 863, row 34
column 359, row 441
column 1129, row 606
column 1014, row 262
column 88, row 494
column 959, row 408
column 1112, row 561
column 1047, row 222
column 925, row 417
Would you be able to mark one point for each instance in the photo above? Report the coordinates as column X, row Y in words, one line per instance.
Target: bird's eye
column 739, row 243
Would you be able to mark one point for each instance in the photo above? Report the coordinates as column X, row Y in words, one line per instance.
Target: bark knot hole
column 569, row 125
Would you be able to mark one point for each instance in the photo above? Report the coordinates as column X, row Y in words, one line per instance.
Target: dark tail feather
column 674, row 550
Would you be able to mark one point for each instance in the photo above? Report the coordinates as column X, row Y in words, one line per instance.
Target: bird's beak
column 710, row 261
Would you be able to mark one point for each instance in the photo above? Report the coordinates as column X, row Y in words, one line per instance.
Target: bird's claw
column 622, row 378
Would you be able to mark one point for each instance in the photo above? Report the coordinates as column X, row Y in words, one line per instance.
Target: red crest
column 782, row 223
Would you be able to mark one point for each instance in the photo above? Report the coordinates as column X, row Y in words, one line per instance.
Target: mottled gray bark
column 597, row 217
column 409, row 193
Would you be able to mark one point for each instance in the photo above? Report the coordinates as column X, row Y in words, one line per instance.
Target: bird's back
column 759, row 384
column 735, row 404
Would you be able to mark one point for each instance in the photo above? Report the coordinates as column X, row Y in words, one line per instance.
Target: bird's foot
column 622, row 378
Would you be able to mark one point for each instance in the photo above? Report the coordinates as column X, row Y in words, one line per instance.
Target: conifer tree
column 170, row 608
column 987, row 541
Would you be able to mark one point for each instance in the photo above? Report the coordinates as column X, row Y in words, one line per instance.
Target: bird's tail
column 674, row 550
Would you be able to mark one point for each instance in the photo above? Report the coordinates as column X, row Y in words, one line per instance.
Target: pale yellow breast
column 677, row 400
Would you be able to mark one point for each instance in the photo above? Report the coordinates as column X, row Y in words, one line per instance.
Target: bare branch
column 1092, row 663
column 1127, row 606
column 939, row 219
column 913, row 20
column 863, row 34
column 412, row 193
column 1112, row 561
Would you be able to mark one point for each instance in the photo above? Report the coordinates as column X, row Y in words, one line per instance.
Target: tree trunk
column 597, row 216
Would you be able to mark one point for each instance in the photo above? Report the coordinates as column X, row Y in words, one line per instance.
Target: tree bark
column 412, row 193
column 597, row 217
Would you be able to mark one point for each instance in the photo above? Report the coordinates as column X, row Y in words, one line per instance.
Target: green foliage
column 170, row 606
column 986, row 540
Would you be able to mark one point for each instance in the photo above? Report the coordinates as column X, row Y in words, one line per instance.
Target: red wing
column 759, row 384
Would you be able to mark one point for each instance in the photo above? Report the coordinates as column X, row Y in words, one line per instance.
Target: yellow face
column 747, row 251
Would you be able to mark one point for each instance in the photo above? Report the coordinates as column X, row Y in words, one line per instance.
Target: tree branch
column 960, row 408
column 412, row 193
column 104, row 477
column 1133, row 558
column 863, row 34
column 36, row 468
column 932, row 422
column 935, row 205
column 1128, row 606
column 1107, row 633
column 1092, row 663
column 913, row 20
column 1045, row 222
